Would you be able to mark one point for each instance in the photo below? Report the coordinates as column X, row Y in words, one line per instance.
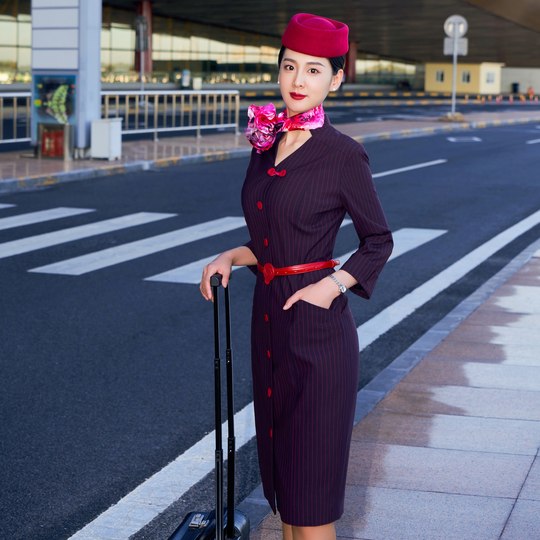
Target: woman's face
column 305, row 81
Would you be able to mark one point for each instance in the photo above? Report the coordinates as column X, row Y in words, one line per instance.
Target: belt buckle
column 268, row 273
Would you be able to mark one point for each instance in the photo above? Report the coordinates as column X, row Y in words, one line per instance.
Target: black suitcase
column 219, row 524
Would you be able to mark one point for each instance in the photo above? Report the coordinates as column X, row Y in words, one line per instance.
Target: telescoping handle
column 216, row 282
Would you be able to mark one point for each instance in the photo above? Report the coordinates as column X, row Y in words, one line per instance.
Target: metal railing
column 156, row 111
column 166, row 111
column 15, row 117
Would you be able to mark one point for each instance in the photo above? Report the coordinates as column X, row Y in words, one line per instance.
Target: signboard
column 462, row 45
column 54, row 99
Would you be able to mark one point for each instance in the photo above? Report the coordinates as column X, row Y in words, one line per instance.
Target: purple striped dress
column 305, row 359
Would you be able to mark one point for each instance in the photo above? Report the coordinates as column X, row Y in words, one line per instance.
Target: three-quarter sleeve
column 360, row 198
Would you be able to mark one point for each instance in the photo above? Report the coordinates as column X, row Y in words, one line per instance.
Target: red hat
column 317, row 36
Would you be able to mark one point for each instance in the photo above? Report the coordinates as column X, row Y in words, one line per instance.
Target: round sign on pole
column 455, row 25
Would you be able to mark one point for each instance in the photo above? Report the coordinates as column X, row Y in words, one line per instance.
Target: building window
column 439, row 76
column 466, row 77
column 490, row 77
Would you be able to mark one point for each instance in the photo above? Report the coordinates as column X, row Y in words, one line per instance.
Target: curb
column 12, row 185
column 444, row 128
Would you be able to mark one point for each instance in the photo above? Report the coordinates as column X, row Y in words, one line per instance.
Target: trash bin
column 106, row 138
column 54, row 141
column 197, row 83
column 515, row 88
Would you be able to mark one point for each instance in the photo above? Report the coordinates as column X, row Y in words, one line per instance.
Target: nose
column 299, row 80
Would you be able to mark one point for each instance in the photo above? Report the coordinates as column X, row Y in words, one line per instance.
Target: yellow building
column 484, row 78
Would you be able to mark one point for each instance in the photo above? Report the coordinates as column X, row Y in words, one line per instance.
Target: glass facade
column 217, row 55
column 15, row 41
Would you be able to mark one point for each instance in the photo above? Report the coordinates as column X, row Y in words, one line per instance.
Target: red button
column 269, row 392
column 266, row 317
column 259, row 205
column 268, row 353
column 270, row 432
column 265, row 242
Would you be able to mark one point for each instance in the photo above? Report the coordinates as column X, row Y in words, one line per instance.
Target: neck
column 294, row 137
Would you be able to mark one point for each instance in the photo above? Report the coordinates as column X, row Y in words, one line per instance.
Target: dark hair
column 337, row 63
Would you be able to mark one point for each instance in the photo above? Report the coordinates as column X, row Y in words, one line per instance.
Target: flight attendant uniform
column 305, row 359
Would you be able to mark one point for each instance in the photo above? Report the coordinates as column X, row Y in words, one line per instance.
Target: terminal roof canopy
column 506, row 31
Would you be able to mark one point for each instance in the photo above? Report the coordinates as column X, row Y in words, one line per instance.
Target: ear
column 337, row 79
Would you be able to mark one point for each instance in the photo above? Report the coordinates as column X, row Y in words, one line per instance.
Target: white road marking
column 405, row 239
column 191, row 273
column 410, row 168
column 3, row 205
column 533, row 141
column 464, row 139
column 140, row 248
column 24, row 245
column 40, row 216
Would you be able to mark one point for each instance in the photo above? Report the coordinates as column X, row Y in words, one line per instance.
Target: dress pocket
column 336, row 306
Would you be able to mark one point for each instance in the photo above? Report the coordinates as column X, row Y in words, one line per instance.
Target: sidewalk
column 452, row 450
column 19, row 170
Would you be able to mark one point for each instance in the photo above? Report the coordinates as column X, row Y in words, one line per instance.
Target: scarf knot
column 264, row 123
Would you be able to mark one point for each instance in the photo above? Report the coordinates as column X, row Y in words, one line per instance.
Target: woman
column 302, row 178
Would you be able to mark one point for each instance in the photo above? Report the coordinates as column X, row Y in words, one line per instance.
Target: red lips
column 296, row 96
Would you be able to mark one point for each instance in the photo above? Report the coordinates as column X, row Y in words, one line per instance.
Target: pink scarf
column 264, row 124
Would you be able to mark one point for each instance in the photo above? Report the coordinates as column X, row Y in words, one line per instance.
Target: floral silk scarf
column 264, row 124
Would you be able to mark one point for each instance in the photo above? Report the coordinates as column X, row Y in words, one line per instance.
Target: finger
column 291, row 301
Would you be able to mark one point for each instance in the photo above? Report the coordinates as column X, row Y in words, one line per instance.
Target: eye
column 288, row 67
column 314, row 70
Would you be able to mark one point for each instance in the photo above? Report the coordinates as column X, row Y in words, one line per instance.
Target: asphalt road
column 106, row 377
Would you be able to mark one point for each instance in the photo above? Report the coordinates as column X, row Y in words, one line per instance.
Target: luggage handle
column 216, row 282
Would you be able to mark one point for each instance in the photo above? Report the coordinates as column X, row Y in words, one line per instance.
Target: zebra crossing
column 405, row 239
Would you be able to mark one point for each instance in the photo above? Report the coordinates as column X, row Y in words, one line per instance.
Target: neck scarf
column 264, row 124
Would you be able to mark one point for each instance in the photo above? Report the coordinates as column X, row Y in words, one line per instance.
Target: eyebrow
column 310, row 63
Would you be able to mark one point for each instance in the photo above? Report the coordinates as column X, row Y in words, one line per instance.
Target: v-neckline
column 276, row 146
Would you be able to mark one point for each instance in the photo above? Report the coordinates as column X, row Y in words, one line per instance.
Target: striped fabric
column 305, row 360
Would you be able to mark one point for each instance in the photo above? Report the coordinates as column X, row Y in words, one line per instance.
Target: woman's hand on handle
column 220, row 265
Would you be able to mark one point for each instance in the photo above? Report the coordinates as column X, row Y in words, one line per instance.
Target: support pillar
column 350, row 63
column 144, row 8
column 66, row 67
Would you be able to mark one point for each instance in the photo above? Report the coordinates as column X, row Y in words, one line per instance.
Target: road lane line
column 43, row 215
column 410, row 168
column 4, row 205
column 533, row 141
column 140, row 248
column 156, row 494
column 32, row 243
column 191, row 273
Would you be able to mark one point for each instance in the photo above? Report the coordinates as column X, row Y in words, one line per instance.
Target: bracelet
column 341, row 287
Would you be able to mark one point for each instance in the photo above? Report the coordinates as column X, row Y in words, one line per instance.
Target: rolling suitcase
column 219, row 524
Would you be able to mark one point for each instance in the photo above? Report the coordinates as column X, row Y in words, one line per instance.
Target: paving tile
column 390, row 514
column 490, row 317
column 430, row 469
column 452, row 432
column 411, row 398
column 477, row 374
column 524, row 522
column 516, row 354
column 517, row 299
column 531, row 489
column 498, row 335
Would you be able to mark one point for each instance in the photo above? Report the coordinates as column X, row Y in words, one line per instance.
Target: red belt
column 270, row 272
